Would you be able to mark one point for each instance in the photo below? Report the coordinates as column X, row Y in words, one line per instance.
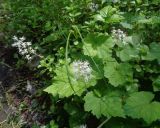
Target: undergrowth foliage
column 103, row 58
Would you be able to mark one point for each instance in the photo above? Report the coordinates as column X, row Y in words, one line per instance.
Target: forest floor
column 19, row 101
column 7, row 76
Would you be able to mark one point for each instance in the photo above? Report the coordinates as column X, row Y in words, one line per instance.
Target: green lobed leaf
column 109, row 106
column 65, row 84
column 154, row 52
column 108, row 15
column 128, row 53
column 126, row 25
column 98, row 17
column 118, row 73
column 140, row 105
column 98, row 45
column 107, row 11
column 114, row 18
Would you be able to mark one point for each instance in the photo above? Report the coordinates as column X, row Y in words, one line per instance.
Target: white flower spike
column 24, row 47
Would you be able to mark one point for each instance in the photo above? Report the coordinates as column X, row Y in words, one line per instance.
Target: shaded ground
column 7, row 77
column 20, row 103
column 5, row 110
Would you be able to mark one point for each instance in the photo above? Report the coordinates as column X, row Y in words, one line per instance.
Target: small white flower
column 23, row 53
column 82, row 69
column 28, row 43
column 30, row 58
column 83, row 126
column 27, row 57
column 22, row 38
column 15, row 38
column 23, row 44
column 20, row 50
column 14, row 44
column 32, row 51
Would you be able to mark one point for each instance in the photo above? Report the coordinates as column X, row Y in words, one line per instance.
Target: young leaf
column 140, row 105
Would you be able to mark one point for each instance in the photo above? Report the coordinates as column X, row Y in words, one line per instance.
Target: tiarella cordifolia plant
column 116, row 94
column 24, row 48
column 117, row 83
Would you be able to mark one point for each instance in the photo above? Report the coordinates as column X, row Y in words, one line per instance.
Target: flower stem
column 105, row 121
column 66, row 58
column 76, row 28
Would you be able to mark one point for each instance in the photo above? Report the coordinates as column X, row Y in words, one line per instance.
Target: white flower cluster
column 82, row 69
column 83, row 126
column 93, row 7
column 118, row 34
column 24, row 47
